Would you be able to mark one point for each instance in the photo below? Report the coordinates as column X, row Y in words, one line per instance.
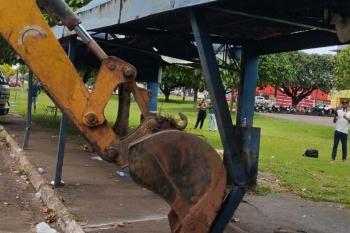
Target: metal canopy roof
column 162, row 26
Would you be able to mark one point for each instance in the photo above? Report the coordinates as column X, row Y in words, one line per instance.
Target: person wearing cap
column 342, row 121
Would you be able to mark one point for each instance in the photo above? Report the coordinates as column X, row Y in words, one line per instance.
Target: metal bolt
column 111, row 65
column 129, row 72
column 91, row 118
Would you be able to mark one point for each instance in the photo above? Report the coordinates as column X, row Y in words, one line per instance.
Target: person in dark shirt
column 202, row 113
column 35, row 92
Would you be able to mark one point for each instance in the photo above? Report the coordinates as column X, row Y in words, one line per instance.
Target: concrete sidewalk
column 317, row 120
column 96, row 196
column 101, row 201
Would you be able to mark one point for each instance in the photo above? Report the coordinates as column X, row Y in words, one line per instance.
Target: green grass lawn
column 282, row 145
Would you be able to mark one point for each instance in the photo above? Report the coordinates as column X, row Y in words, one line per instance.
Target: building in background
column 278, row 98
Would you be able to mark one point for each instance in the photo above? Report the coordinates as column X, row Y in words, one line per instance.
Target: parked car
column 4, row 96
column 260, row 100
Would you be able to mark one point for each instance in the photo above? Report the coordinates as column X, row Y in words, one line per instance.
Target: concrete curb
column 48, row 195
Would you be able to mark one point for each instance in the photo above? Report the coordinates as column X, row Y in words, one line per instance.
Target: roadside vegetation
column 282, row 145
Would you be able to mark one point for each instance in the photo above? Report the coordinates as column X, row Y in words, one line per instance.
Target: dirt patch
column 20, row 211
column 272, row 182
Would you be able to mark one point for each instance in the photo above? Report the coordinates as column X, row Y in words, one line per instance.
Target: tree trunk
column 232, row 99
column 183, row 94
column 121, row 125
column 166, row 95
column 195, row 95
column 295, row 101
column 275, row 93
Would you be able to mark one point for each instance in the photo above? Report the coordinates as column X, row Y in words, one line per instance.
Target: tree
column 7, row 70
column 230, row 77
column 193, row 79
column 297, row 74
column 172, row 77
column 342, row 79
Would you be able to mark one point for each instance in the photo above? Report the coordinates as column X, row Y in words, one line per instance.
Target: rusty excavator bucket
column 186, row 172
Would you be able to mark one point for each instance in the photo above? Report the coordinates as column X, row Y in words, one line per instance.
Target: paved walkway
column 101, row 200
column 318, row 120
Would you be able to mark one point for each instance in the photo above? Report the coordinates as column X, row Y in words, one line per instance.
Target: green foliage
column 76, row 4
column 174, row 76
column 342, row 79
column 7, row 55
column 275, row 68
column 7, row 70
column 230, row 74
column 297, row 74
column 23, row 69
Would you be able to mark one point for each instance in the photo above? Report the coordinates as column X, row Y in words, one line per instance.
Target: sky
column 324, row 50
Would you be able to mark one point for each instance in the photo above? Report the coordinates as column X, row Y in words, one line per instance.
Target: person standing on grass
column 211, row 118
column 35, row 92
column 342, row 121
column 202, row 113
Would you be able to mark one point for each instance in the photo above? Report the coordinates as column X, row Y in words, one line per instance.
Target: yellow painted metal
column 109, row 77
column 23, row 26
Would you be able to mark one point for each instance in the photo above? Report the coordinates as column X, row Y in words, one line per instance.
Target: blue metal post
column 63, row 126
column 232, row 157
column 60, row 151
column 247, row 88
column 247, row 135
column 153, row 87
column 216, row 90
column 29, row 112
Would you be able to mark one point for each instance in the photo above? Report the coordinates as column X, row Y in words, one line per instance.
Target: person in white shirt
column 342, row 121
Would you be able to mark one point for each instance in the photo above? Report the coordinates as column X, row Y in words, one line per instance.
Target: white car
column 260, row 100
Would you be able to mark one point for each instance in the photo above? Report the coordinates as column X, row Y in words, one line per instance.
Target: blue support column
column 247, row 87
column 247, row 135
column 233, row 159
column 153, row 87
column 60, row 151
column 29, row 112
column 63, row 126
column 241, row 142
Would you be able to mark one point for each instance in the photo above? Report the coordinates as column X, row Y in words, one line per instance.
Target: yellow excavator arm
column 181, row 168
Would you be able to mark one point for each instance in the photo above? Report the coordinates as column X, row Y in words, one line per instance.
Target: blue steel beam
column 60, row 151
column 248, row 136
column 29, row 112
column 154, row 87
column 292, row 42
column 247, row 87
column 63, row 127
column 234, row 163
column 217, row 94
